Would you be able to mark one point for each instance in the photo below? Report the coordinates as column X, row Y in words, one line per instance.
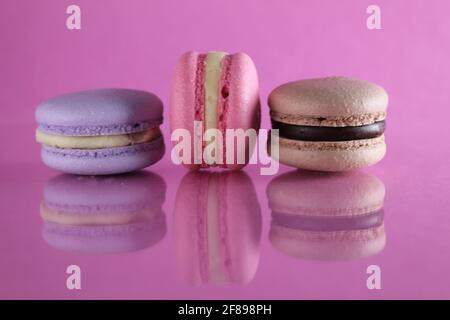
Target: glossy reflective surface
column 221, row 235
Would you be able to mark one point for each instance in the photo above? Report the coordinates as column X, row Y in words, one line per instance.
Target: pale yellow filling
column 215, row 254
column 212, row 79
column 97, row 142
column 211, row 88
column 104, row 218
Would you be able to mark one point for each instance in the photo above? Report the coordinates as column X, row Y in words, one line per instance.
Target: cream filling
column 216, row 273
column 213, row 62
column 104, row 218
column 96, row 142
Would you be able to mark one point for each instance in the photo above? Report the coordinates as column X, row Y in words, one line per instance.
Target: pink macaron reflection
column 217, row 227
column 104, row 215
column 322, row 216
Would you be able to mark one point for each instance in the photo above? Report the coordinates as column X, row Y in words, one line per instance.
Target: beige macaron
column 329, row 124
column 327, row 217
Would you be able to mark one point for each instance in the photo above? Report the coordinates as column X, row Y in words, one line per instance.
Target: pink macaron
column 214, row 90
column 319, row 216
column 217, row 228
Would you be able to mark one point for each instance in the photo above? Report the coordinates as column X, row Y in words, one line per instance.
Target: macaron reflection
column 320, row 216
column 104, row 215
column 217, row 228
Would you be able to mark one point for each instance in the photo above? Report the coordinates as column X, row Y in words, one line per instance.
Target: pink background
column 135, row 44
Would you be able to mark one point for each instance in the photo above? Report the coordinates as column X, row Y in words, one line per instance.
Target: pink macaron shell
column 240, row 108
column 243, row 104
column 182, row 99
column 243, row 213
column 239, row 228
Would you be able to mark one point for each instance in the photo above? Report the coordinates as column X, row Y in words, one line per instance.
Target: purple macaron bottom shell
column 103, row 161
column 105, row 239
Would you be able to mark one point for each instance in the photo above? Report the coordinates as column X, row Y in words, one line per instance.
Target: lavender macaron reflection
column 217, row 228
column 322, row 216
column 104, row 215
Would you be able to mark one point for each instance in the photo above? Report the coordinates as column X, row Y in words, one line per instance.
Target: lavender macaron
column 105, row 214
column 98, row 132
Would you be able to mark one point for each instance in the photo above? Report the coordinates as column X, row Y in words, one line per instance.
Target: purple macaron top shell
column 100, row 112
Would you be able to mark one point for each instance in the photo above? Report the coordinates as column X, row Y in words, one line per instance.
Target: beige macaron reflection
column 217, row 228
column 103, row 215
column 323, row 216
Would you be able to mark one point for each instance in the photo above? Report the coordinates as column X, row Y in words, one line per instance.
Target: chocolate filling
column 310, row 133
column 328, row 224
